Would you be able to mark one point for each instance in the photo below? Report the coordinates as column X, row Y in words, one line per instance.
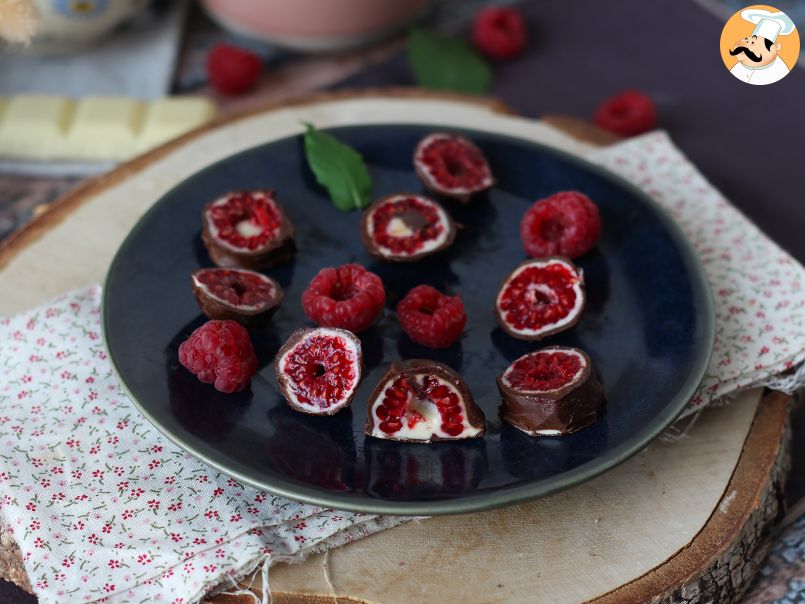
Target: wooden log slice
column 717, row 564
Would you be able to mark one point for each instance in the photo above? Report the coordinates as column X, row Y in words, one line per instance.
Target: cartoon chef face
column 755, row 51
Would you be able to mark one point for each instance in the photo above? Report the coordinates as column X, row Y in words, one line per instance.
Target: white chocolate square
column 172, row 117
column 41, row 127
column 105, row 128
column 35, row 126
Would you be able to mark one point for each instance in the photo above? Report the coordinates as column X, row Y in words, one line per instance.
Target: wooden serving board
column 681, row 521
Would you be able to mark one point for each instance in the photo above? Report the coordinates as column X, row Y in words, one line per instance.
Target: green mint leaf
column 339, row 169
column 446, row 63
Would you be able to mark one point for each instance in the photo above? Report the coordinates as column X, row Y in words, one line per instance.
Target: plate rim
column 503, row 496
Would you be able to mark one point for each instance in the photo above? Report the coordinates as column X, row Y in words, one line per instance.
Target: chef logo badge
column 760, row 45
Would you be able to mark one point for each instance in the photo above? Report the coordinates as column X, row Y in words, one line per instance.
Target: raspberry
column 629, row 113
column 565, row 224
column 499, row 33
column 220, row 353
column 233, row 70
column 430, row 317
column 545, row 370
column 348, row 296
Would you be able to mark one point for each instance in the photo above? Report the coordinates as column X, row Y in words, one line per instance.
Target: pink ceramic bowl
column 314, row 24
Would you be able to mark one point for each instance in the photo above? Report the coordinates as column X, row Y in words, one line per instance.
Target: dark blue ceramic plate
column 648, row 328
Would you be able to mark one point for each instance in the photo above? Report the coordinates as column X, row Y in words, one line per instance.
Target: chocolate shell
column 316, row 365
column 250, row 312
column 561, row 408
column 472, row 423
column 540, row 330
column 279, row 249
column 414, row 221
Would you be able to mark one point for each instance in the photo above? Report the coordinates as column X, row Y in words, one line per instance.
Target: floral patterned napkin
column 757, row 287
column 102, row 506
column 105, row 509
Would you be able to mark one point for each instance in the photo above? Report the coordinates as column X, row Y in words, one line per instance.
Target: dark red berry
column 233, row 70
column 499, row 32
column 348, row 296
column 220, row 353
column 423, row 401
column 430, row 317
column 629, row 113
column 565, row 224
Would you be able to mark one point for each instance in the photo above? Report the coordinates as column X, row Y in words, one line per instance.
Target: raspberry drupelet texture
column 220, row 353
column 233, row 70
column 430, row 317
column 629, row 113
column 499, row 32
column 565, row 224
column 347, row 296
column 544, row 370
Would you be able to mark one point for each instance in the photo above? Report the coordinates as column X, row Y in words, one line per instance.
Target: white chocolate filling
column 245, row 228
column 398, row 228
column 431, row 422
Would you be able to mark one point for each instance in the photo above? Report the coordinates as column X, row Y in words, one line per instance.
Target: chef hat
column 769, row 25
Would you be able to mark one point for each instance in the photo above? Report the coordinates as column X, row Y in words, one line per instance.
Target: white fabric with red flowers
column 758, row 289
column 102, row 506
column 105, row 509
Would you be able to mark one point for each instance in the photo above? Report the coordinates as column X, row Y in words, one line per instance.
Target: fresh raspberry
column 233, row 70
column 430, row 317
column 629, row 113
column 348, row 296
column 499, row 33
column 220, row 353
column 565, row 224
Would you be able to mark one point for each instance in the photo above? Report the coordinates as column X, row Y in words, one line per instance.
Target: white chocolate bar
column 169, row 118
column 35, row 125
column 106, row 128
column 40, row 127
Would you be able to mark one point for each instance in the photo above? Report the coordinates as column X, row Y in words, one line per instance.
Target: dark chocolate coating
column 217, row 309
column 475, row 417
column 283, row 381
column 276, row 251
column 434, row 187
column 505, row 327
column 376, row 253
column 567, row 409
